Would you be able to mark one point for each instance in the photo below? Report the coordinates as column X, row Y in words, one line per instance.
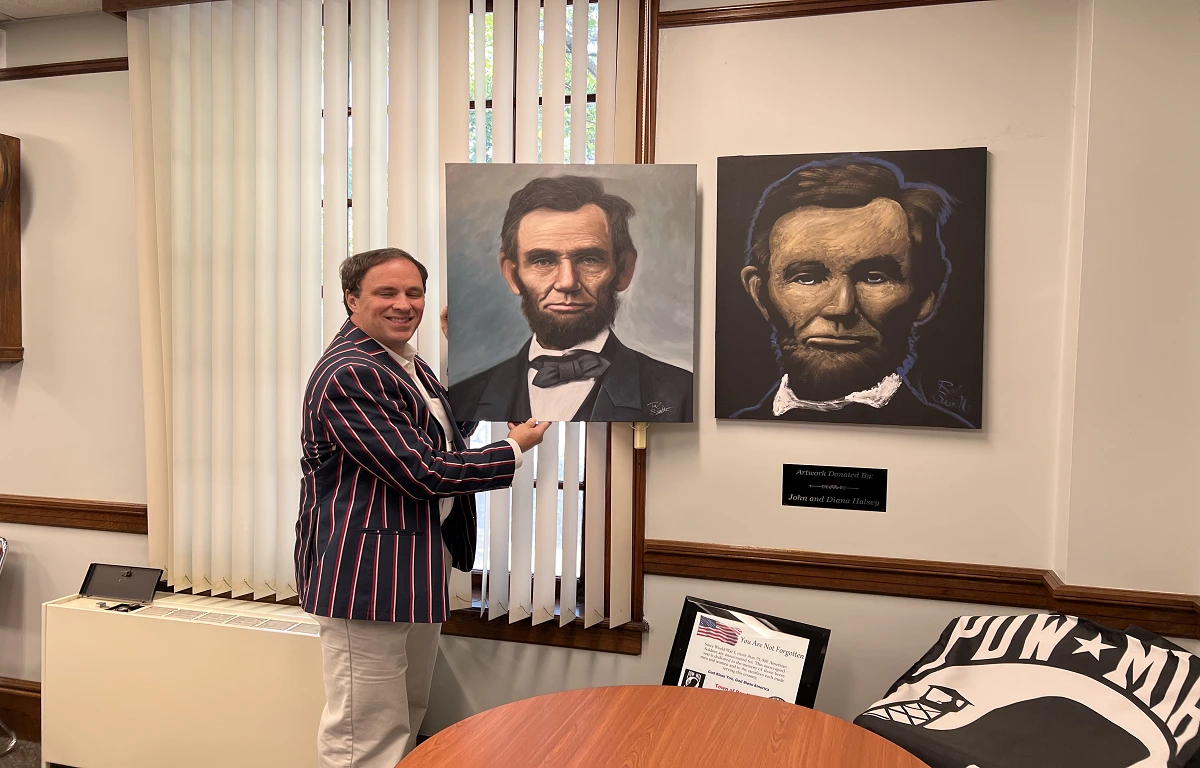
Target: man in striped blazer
column 386, row 508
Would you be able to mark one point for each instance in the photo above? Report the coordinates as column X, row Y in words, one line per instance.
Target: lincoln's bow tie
column 552, row 371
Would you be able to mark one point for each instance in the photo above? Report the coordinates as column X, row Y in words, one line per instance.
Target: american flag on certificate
column 718, row 631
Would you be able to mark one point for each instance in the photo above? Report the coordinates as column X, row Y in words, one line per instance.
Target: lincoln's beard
column 556, row 331
column 825, row 374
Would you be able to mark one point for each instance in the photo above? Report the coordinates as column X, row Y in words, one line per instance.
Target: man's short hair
column 566, row 193
column 355, row 268
column 852, row 182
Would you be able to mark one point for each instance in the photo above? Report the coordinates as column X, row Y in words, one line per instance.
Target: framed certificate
column 725, row 648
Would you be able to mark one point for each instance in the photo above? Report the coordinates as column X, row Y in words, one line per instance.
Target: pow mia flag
column 1045, row 691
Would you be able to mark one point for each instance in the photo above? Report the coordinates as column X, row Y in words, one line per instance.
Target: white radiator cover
column 133, row 690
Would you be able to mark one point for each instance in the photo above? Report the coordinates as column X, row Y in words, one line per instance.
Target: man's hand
column 446, row 322
column 529, row 433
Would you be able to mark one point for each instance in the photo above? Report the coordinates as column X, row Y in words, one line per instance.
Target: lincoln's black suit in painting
column 634, row 387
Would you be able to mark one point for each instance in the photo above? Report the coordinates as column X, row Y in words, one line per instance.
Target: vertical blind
column 272, row 138
column 239, row 109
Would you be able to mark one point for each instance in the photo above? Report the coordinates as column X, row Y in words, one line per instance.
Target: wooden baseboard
column 21, row 707
column 1165, row 613
column 112, row 516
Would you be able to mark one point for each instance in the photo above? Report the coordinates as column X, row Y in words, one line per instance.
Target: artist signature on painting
column 657, row 408
column 950, row 395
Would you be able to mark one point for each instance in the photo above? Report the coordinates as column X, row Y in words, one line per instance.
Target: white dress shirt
column 406, row 360
column 562, row 401
column 876, row 397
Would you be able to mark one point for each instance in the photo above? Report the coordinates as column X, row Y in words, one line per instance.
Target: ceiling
column 11, row 10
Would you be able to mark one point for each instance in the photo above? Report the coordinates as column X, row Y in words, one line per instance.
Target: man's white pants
column 377, row 678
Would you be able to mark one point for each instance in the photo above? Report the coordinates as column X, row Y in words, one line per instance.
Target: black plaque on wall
column 856, row 488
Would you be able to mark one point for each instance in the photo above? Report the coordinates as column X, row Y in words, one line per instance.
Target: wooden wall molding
column 21, row 707
column 73, row 513
column 1165, row 613
column 58, row 69
column 730, row 14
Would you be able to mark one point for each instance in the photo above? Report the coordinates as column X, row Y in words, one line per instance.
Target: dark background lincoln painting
column 950, row 349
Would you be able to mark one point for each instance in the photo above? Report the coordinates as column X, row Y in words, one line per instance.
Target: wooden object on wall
column 1168, row 614
column 11, row 350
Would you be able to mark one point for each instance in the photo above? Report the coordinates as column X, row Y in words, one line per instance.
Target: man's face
column 840, row 295
column 567, row 274
column 390, row 303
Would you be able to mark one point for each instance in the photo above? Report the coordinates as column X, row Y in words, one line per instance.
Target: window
column 590, row 96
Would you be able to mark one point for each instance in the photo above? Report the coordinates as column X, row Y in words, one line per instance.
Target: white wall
column 71, row 413
column 997, row 74
column 64, row 38
column 1134, row 519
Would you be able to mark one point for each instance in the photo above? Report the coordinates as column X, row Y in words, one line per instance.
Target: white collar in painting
column 876, row 397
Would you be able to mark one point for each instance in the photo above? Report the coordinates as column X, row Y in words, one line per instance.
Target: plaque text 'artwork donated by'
column 808, row 485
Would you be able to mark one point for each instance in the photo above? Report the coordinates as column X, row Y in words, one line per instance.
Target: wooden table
column 647, row 726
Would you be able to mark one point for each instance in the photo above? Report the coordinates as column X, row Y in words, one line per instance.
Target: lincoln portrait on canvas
column 567, row 257
column 845, row 263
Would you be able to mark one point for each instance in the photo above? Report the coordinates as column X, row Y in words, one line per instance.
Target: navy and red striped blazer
column 368, row 539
